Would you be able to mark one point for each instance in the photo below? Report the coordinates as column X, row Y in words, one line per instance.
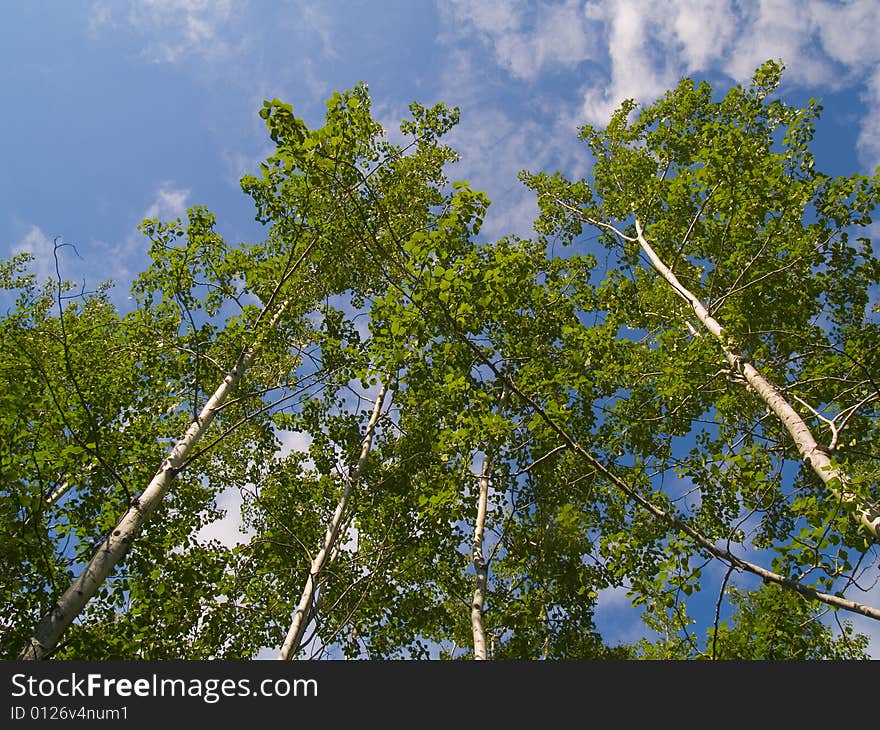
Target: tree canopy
column 453, row 447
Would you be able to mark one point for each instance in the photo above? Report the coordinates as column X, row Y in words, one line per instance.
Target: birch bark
column 116, row 545
column 69, row 605
column 669, row 518
column 480, row 563
column 48, row 502
column 809, row 449
column 302, row 614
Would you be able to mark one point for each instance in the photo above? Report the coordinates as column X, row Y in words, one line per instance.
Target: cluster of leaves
column 617, row 442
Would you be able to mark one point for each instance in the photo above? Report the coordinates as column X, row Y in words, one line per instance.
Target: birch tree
column 306, row 186
column 682, row 400
column 467, row 320
column 54, row 432
column 330, row 544
column 743, row 275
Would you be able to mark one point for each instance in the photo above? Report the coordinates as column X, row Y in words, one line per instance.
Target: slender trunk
column 302, row 614
column 46, row 504
column 59, row 617
column 56, row 495
column 669, row 518
column 73, row 600
column 811, row 452
column 480, row 566
column 545, row 621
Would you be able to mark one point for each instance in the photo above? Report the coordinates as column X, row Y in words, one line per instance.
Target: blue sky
column 114, row 111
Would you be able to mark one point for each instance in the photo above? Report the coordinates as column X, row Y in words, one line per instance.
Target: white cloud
column 558, row 37
column 42, row 248
column 651, row 46
column 77, row 260
column 236, row 164
column 639, row 48
column 618, row 620
column 868, row 143
column 169, row 203
column 781, row 29
column 293, row 441
column 494, row 146
column 228, row 529
column 100, row 16
column 321, row 25
column 171, row 29
column 638, row 68
column 849, row 31
column 129, row 256
column 703, row 31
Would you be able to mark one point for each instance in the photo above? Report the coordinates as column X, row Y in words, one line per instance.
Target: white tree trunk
column 479, row 561
column 114, row 548
column 670, row 519
column 48, row 502
column 811, row 453
column 302, row 614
